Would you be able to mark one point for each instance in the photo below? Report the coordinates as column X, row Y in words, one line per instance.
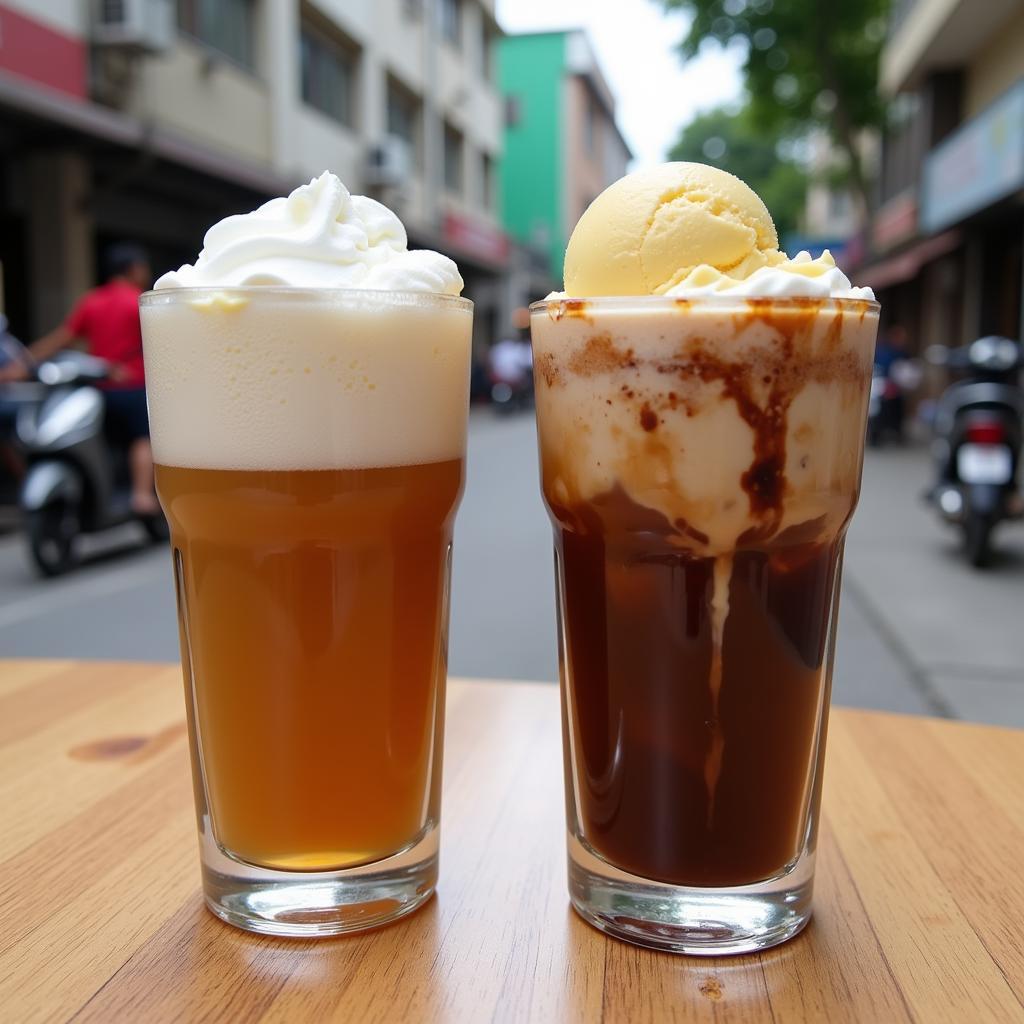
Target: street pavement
column 920, row 631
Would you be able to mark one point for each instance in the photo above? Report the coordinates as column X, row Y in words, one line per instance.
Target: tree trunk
column 842, row 128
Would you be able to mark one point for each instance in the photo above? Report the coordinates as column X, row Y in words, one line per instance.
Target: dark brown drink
column 638, row 640
column 700, row 462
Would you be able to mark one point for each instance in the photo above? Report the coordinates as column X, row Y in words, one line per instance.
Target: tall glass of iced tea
column 309, row 448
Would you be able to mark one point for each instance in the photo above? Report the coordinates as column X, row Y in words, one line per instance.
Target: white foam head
column 268, row 378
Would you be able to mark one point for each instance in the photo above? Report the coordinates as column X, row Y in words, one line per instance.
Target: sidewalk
column 918, row 625
column 920, row 630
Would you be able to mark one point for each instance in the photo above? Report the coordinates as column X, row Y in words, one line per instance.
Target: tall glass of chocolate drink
column 701, row 404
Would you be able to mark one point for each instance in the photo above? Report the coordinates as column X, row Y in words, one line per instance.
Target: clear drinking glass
column 700, row 463
column 309, row 450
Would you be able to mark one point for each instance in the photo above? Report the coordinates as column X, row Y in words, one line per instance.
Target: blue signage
column 978, row 164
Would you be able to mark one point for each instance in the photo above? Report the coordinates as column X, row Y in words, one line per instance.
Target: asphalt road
column 920, row 631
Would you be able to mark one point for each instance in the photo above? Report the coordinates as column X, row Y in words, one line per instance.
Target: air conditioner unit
column 142, row 25
column 389, row 163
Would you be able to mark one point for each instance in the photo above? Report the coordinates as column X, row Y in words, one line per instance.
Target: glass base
column 684, row 919
column 306, row 904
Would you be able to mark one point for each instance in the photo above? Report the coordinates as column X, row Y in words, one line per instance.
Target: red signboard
column 896, row 221
column 41, row 54
column 475, row 238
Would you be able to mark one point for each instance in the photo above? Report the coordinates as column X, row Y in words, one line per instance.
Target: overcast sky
column 635, row 46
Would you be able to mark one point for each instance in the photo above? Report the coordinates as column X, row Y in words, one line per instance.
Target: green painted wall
column 531, row 74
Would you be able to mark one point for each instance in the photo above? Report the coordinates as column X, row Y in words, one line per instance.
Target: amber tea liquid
column 314, row 604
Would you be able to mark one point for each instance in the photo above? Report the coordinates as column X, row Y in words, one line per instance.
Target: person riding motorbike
column 107, row 318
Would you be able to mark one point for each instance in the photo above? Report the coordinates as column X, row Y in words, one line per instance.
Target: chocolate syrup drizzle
column 778, row 373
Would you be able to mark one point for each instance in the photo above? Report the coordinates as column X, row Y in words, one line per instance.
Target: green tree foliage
column 734, row 142
column 809, row 63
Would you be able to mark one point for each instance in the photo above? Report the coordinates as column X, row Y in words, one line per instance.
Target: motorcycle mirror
column 993, row 353
column 1008, row 353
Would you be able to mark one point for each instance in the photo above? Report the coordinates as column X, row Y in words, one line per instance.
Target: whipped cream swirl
column 800, row 276
column 321, row 236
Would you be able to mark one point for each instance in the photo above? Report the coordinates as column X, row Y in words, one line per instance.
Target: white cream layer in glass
column 689, row 466
column 259, row 379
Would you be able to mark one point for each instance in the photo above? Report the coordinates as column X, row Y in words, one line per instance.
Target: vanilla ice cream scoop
column 649, row 230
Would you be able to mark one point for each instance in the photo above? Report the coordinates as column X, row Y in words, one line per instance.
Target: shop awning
column 90, row 120
column 907, row 264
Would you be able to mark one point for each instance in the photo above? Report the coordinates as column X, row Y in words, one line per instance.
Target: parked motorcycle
column 887, row 403
column 13, row 396
column 511, row 374
column 977, row 440
column 884, row 411
column 76, row 481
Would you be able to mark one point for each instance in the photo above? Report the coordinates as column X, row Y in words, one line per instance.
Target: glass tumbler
column 310, row 450
column 700, row 462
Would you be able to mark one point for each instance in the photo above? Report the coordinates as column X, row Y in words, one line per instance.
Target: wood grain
column 919, row 906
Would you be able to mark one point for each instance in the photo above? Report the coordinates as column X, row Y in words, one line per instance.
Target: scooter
column 13, row 396
column 76, row 481
column 883, row 407
column 977, row 440
column 888, row 399
column 512, row 395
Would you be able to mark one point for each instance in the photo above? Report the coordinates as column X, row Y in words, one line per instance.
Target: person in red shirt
column 108, row 319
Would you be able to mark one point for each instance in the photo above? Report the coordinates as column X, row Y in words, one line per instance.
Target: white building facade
column 152, row 125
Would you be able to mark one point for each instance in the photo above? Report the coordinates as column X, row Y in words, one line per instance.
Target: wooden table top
column 919, row 907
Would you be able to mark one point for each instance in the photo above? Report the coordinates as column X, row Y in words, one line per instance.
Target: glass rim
column 322, row 296
column 713, row 300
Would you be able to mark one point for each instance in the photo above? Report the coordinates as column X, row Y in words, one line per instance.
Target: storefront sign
column 32, row 50
column 475, row 238
column 895, row 221
column 979, row 164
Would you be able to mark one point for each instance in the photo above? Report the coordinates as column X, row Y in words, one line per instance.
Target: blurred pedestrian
column 892, row 347
column 511, row 360
column 900, row 375
column 107, row 318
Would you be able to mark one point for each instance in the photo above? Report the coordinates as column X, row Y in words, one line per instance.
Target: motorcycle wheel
column 52, row 530
column 977, row 540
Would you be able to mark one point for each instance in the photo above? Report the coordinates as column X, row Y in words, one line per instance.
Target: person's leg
column 129, row 422
column 140, row 459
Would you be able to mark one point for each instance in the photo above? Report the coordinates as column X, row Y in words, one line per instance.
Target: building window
column 452, row 159
column 224, row 25
column 486, row 51
column 513, row 111
column 328, row 69
column 404, row 116
column 451, row 21
column 590, row 126
column 838, row 204
column 486, row 181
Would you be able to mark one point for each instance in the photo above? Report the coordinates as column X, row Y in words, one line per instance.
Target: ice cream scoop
column 649, row 230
